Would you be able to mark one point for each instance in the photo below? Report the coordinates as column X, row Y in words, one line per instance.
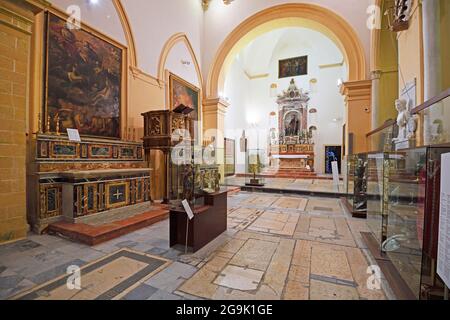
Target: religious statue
column 292, row 128
column 187, row 183
column 217, row 180
column 407, row 125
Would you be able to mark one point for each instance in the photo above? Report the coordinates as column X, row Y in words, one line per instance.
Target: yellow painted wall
column 145, row 94
column 410, row 47
column 388, row 92
column 388, row 65
column 15, row 28
column 357, row 101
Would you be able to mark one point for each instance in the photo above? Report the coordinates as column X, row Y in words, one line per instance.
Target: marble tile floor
column 276, row 247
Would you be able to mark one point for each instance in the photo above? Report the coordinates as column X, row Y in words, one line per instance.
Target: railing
column 380, row 139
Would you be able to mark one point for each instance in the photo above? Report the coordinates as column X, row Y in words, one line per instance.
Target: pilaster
column 375, row 76
column 357, row 113
column 214, row 111
column 16, row 29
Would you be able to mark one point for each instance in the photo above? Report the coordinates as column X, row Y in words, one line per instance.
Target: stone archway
column 296, row 14
column 170, row 43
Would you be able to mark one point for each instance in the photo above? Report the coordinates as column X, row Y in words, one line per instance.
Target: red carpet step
column 93, row 235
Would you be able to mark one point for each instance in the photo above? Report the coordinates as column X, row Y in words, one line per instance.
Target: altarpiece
column 291, row 145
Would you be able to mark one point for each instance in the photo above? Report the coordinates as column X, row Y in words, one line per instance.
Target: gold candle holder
column 47, row 129
column 57, row 125
column 39, row 123
column 134, row 134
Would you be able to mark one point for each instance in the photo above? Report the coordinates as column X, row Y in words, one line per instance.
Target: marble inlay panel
column 291, row 203
column 320, row 290
column 276, row 222
column 331, row 263
column 108, row 278
column 239, row 278
column 255, row 254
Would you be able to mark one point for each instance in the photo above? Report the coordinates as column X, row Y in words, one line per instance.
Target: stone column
column 432, row 59
column 375, row 76
column 357, row 113
column 214, row 111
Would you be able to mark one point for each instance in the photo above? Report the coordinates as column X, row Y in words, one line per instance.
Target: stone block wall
column 15, row 40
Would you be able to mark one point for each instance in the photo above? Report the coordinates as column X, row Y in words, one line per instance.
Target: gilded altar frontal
column 240, row 152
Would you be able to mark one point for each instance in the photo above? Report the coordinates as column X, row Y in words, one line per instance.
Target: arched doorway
column 296, row 14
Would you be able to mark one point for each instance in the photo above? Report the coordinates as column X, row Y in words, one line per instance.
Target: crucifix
column 117, row 194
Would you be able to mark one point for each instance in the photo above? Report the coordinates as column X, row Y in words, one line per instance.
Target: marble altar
column 291, row 144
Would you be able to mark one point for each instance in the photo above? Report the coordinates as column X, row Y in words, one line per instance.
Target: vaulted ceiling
column 257, row 58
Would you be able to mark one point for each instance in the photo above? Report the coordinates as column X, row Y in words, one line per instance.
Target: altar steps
column 95, row 234
column 287, row 173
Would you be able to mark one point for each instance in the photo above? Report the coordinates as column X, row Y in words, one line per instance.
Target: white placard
column 443, row 261
column 188, row 209
column 73, row 135
column 335, row 169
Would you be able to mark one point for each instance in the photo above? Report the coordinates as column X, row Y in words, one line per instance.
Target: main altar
column 291, row 144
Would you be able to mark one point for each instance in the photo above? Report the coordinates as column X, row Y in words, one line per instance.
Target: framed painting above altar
column 293, row 67
column 185, row 97
column 85, row 80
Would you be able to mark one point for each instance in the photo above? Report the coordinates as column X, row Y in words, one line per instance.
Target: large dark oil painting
column 184, row 95
column 84, row 81
column 293, row 67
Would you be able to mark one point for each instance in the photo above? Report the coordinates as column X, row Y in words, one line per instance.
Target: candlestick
column 134, row 134
column 39, row 124
column 47, row 130
column 57, row 125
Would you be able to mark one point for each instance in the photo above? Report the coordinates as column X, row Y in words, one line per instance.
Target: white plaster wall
column 222, row 19
column 237, row 86
column 250, row 99
column 186, row 71
column 101, row 16
column 155, row 21
column 152, row 22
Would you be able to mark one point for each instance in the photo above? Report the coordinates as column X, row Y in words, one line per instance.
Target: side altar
column 80, row 181
column 291, row 144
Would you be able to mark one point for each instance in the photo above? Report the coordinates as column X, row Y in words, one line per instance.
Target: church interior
column 224, row 150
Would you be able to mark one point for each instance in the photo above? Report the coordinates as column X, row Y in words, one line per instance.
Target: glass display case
column 434, row 120
column 350, row 164
column 193, row 172
column 379, row 165
column 255, row 163
column 412, row 208
column 380, row 139
column 403, row 195
column 357, row 184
